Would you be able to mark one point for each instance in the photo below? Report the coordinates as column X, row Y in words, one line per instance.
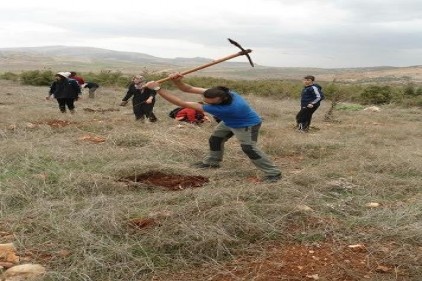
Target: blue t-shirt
column 237, row 114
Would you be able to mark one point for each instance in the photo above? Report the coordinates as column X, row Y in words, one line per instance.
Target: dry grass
column 60, row 192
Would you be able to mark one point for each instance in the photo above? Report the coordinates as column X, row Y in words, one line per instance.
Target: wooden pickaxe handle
column 244, row 52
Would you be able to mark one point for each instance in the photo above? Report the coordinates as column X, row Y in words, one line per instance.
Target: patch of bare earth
column 93, row 139
column 55, row 123
column 321, row 261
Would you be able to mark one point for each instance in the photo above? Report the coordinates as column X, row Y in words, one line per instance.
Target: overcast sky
column 285, row 33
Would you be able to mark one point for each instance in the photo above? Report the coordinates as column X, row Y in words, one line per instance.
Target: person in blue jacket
column 237, row 117
column 310, row 101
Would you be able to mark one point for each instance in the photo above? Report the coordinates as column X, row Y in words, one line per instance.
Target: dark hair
column 72, row 73
column 219, row 92
column 309, row 77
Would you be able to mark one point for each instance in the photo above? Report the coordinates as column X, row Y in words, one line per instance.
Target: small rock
column 8, row 253
column 372, row 205
column 24, row 272
column 382, row 269
column 304, row 208
column 373, row 109
column 357, row 247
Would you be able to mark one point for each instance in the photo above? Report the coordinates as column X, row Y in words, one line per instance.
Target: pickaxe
column 241, row 53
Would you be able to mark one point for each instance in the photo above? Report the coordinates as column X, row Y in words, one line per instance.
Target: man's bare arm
column 177, row 80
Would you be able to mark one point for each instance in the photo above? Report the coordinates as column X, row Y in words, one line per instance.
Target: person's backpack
column 173, row 113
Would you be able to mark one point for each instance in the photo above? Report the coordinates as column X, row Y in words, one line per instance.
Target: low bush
column 375, row 94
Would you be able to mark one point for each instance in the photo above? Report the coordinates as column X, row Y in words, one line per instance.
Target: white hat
column 64, row 74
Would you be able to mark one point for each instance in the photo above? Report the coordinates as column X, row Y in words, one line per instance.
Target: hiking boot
column 272, row 179
column 202, row 165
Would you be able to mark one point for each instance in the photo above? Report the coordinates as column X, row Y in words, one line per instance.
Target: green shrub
column 9, row 76
column 117, row 78
column 37, row 77
column 349, row 107
column 375, row 94
column 409, row 90
column 414, row 101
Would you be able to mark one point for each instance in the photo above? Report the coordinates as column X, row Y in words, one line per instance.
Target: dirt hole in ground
column 168, row 181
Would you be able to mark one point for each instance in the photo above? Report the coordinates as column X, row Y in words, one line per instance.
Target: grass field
column 73, row 198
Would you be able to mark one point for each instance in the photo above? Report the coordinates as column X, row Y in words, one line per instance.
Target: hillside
column 85, row 59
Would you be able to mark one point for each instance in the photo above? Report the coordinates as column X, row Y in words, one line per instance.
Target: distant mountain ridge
column 85, row 59
column 91, row 53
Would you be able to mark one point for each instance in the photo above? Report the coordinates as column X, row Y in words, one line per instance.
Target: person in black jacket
column 310, row 101
column 143, row 99
column 92, row 86
column 65, row 90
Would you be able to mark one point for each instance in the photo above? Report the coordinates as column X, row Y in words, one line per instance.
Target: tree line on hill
column 405, row 95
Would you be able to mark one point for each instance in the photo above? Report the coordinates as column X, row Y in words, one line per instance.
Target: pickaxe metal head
column 244, row 52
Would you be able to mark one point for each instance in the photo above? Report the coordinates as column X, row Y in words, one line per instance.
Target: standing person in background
column 237, row 117
column 65, row 90
column 143, row 99
column 79, row 79
column 310, row 101
column 92, row 87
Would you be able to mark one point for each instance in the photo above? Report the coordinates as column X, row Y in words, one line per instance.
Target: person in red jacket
column 79, row 79
column 191, row 116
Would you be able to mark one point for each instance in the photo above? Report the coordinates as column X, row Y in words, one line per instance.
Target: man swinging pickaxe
column 237, row 117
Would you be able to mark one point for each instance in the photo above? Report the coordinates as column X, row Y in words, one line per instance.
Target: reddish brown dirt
column 169, row 181
column 55, row 123
column 93, row 139
column 301, row 262
column 143, row 222
column 325, row 261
